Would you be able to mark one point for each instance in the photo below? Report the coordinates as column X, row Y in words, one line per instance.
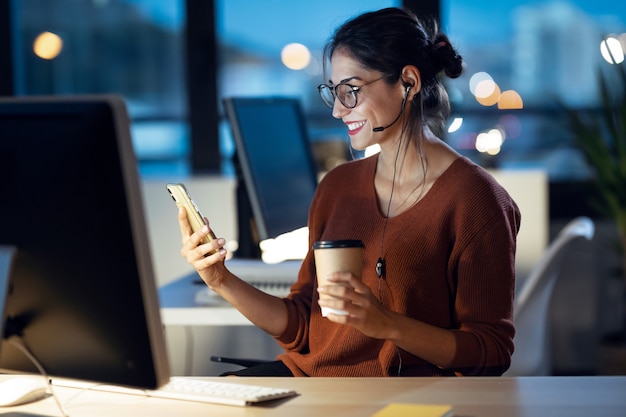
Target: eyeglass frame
column 354, row 90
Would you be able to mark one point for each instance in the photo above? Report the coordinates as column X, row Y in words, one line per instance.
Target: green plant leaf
column 602, row 139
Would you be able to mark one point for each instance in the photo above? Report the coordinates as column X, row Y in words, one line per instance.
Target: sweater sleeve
column 483, row 267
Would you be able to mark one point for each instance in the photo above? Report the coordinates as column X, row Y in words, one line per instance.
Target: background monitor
column 81, row 295
column 276, row 171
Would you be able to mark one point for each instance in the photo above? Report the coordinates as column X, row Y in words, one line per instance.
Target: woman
column 436, row 292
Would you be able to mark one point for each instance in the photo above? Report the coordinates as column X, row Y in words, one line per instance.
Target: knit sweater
column 450, row 262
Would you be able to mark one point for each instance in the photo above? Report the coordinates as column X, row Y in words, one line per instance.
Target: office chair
column 243, row 362
column 532, row 356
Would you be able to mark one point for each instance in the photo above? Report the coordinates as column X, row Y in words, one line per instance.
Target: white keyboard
column 274, row 279
column 206, row 296
column 198, row 390
column 218, row 392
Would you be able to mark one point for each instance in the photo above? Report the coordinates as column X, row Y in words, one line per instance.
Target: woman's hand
column 365, row 312
column 207, row 259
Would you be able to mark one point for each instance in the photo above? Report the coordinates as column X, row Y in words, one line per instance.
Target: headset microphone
column 381, row 128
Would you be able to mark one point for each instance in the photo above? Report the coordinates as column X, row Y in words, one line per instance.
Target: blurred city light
column 47, row 45
column 295, row 56
column 612, row 50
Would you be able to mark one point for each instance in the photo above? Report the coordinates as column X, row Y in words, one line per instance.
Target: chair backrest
column 532, row 302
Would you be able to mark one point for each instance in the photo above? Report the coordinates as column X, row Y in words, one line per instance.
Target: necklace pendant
column 380, row 268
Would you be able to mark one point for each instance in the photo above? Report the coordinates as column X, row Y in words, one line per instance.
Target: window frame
column 201, row 62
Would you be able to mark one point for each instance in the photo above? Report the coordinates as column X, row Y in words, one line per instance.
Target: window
column 134, row 48
column 137, row 48
column 543, row 51
column 275, row 48
column 537, row 50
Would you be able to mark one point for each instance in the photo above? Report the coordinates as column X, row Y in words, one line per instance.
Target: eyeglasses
column 346, row 93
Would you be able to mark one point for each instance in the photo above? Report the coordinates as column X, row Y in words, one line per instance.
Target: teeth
column 355, row 125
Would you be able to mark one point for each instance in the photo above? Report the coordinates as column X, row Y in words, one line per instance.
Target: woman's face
column 378, row 104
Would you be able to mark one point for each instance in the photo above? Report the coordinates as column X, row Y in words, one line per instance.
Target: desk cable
column 26, row 351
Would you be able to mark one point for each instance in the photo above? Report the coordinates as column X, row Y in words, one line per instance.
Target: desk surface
column 475, row 397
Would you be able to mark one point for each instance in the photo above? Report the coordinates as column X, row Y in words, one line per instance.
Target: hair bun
column 446, row 57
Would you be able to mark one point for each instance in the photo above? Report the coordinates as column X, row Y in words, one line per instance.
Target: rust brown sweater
column 449, row 262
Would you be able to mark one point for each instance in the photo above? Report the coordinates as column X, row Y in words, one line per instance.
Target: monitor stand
column 9, row 326
column 19, row 389
column 247, row 233
column 7, row 254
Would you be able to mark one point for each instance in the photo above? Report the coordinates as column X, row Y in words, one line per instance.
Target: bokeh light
column 490, row 142
column 295, row 56
column 47, row 45
column 476, row 79
column 509, row 100
column 612, row 50
column 456, row 124
column 487, row 93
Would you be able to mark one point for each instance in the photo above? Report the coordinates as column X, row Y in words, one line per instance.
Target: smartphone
column 182, row 198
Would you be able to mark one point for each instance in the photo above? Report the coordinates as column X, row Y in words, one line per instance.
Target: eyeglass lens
column 344, row 92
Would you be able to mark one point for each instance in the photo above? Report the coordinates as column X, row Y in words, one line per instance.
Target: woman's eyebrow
column 345, row 80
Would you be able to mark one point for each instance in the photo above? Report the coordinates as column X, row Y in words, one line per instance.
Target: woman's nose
column 339, row 110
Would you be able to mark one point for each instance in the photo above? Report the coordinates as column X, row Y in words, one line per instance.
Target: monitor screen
column 274, row 164
column 80, row 289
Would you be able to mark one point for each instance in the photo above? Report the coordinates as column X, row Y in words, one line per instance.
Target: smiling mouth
column 354, row 126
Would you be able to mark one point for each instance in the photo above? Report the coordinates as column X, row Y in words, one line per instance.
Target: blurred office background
column 173, row 61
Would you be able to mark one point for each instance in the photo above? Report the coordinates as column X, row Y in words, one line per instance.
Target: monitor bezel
column 160, row 372
column 245, row 177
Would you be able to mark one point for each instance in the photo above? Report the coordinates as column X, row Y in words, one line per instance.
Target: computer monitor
column 80, row 290
column 276, row 171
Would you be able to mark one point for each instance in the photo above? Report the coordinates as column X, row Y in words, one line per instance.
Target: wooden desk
column 362, row 397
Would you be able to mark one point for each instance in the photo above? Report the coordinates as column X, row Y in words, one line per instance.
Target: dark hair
column 389, row 39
